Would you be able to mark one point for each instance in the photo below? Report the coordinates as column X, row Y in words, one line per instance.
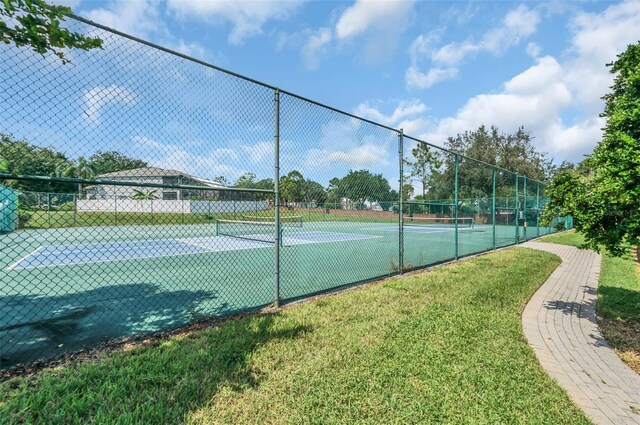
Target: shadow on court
column 34, row 327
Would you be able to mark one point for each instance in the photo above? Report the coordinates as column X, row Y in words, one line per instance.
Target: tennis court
column 66, row 288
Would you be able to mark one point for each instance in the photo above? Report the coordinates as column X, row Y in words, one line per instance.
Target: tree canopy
column 362, row 185
column 37, row 24
column 510, row 151
column 602, row 194
column 24, row 158
column 423, row 166
column 112, row 161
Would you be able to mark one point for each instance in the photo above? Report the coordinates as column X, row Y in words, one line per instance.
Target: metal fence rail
column 147, row 190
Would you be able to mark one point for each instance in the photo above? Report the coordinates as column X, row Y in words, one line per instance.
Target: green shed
column 8, row 210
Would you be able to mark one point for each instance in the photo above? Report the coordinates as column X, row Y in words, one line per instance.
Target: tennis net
column 286, row 220
column 249, row 230
column 439, row 222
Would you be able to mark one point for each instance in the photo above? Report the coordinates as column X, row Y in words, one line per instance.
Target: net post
column 276, row 185
column 517, row 214
column 401, row 204
column 493, row 208
column 538, row 210
column 455, row 201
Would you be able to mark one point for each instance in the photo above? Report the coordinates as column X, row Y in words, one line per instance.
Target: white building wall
column 160, row 206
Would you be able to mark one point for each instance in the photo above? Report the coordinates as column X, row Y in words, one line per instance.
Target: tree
column 488, row 147
column 514, row 152
column 4, row 165
column 361, row 185
column 246, row 181
column 112, row 161
column 604, row 197
column 314, row 191
column 425, row 162
column 407, row 191
column 24, row 158
column 82, row 169
column 332, row 191
column 222, row 180
column 37, row 24
column 144, row 195
column 291, row 186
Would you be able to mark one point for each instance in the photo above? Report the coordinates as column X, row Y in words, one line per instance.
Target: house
column 157, row 176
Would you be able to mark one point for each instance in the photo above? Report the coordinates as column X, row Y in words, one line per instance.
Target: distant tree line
column 431, row 170
column 23, row 158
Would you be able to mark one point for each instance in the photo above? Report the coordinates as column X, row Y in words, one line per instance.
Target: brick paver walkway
column 560, row 324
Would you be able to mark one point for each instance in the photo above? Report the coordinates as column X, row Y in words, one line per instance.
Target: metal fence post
column 493, row 208
column 538, row 210
column 276, row 175
column 517, row 215
column 49, row 209
column 455, row 201
column 401, row 206
column 524, row 209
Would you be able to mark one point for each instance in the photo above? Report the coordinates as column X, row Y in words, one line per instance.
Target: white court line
column 11, row 267
column 232, row 244
column 144, row 257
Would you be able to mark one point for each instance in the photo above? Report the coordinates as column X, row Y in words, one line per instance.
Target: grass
column 571, row 237
column 445, row 346
column 618, row 305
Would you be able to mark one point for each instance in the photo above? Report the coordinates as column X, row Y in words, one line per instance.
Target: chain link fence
column 147, row 190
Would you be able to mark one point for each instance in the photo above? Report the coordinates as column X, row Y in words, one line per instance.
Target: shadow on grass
column 621, row 303
column 164, row 382
column 37, row 327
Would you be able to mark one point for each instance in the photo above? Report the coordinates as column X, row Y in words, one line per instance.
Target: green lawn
column 570, row 237
column 444, row 346
column 618, row 299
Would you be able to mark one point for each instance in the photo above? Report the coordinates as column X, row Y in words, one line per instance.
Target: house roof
column 144, row 172
column 156, row 172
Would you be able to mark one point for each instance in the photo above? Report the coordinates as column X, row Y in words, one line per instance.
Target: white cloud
column 533, row 49
column 405, row 108
column 139, row 18
column 348, row 144
column 517, row 25
column 557, row 100
column 535, row 98
column 189, row 49
column 421, row 80
column 215, row 162
column 316, row 47
column 380, row 21
column 363, row 156
column 246, row 17
column 367, row 14
column 98, row 97
column 598, row 38
column 259, row 152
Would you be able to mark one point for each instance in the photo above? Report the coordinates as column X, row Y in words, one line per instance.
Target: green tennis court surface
column 63, row 289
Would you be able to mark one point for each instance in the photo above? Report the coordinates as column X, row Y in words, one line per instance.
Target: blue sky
column 432, row 68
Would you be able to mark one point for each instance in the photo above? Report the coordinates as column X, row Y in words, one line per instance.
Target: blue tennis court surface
column 61, row 255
